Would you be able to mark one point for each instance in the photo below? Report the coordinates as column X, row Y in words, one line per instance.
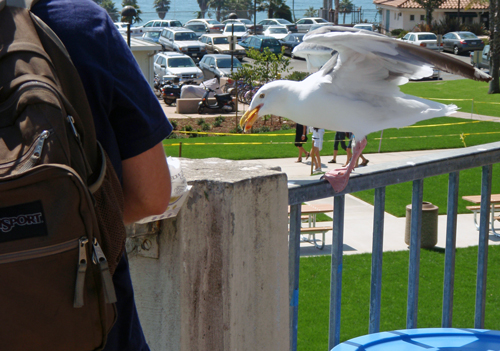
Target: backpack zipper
column 32, row 156
column 99, row 259
column 35, row 155
column 80, row 273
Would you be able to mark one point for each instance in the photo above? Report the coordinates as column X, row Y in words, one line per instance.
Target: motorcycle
column 169, row 89
column 223, row 102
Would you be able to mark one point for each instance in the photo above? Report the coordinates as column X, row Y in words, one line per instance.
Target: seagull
column 357, row 88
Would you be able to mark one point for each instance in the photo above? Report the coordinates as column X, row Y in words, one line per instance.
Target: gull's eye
column 262, row 96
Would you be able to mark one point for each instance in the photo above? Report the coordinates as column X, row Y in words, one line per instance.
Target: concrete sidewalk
column 358, row 221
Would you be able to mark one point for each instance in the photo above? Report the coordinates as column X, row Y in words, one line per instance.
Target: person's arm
column 304, row 133
column 146, row 184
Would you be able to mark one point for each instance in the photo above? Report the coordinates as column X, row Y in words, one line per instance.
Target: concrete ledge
column 189, row 105
column 220, row 279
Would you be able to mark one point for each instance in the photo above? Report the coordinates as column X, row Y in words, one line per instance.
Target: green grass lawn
column 314, row 294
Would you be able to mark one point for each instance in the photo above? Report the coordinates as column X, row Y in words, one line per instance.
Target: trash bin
column 429, row 236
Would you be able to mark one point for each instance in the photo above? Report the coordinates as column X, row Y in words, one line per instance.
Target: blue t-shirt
column 127, row 115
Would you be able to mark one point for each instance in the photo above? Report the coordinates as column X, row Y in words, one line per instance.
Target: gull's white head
column 264, row 102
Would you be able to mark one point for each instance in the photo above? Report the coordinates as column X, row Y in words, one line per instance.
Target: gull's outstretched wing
column 376, row 57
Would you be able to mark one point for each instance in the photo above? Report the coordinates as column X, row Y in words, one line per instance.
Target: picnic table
column 308, row 213
column 495, row 205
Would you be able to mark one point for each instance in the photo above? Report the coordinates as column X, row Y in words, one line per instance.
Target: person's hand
column 303, row 137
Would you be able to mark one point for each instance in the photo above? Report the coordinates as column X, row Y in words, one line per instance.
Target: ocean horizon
column 184, row 10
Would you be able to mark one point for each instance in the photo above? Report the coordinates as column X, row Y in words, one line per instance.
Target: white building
column 406, row 14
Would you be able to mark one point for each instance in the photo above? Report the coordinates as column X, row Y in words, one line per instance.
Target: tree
column 132, row 3
column 346, row 6
column 242, row 8
column 110, row 8
column 311, row 12
column 494, row 47
column 217, row 5
column 276, row 9
column 203, row 8
column 429, row 6
column 162, row 7
column 336, row 13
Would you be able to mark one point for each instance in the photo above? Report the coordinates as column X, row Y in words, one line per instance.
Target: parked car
column 458, row 42
column 484, row 58
column 151, row 36
column 219, row 44
column 156, row 25
column 304, row 24
column 122, row 28
column 277, row 32
column 214, row 25
column 424, row 39
column 291, row 41
column 240, row 30
column 259, row 42
column 218, row 65
column 178, row 65
column 292, row 27
column 365, row 26
column 198, row 28
column 182, row 40
column 319, row 25
column 249, row 24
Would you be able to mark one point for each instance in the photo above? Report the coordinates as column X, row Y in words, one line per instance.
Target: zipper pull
column 71, row 121
column 80, row 274
column 99, row 259
column 37, row 152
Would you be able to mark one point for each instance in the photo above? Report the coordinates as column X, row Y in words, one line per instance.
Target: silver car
column 218, row 65
column 457, row 42
column 178, row 65
column 182, row 40
column 304, row 24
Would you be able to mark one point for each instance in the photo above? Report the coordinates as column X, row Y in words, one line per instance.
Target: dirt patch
column 226, row 124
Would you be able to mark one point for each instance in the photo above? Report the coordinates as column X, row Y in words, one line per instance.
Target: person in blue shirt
column 130, row 124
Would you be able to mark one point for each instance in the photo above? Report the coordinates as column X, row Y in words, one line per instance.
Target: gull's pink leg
column 339, row 177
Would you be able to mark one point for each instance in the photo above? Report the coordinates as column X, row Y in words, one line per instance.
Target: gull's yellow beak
column 248, row 119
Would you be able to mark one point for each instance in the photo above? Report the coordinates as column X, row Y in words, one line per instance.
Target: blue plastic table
column 430, row 339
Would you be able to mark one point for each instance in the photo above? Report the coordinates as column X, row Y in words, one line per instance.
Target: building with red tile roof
column 406, row 14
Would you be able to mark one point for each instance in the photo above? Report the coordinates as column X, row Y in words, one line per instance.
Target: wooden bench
column 312, row 231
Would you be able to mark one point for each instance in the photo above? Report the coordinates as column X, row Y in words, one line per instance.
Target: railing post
column 293, row 271
column 377, row 252
column 336, row 270
column 451, row 243
column 482, row 257
column 414, row 266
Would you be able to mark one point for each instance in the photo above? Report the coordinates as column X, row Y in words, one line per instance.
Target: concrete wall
column 220, row 281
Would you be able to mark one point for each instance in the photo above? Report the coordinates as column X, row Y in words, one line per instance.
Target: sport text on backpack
column 61, row 227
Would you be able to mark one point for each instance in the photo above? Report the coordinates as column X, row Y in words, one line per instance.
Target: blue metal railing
column 378, row 177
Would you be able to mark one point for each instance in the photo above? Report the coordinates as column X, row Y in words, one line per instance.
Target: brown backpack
column 61, row 226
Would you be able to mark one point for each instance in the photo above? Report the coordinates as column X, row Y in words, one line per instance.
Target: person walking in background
column 300, row 140
column 349, row 154
column 317, row 147
column 339, row 139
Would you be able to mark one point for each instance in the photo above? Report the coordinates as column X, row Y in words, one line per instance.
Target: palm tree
column 110, row 8
column 311, row 12
column 495, row 47
column 162, row 7
column 203, row 8
column 346, row 6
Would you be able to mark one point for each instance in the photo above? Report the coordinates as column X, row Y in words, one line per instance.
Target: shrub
column 174, row 136
column 187, row 128
column 398, row 32
column 237, row 130
column 206, row 127
column 200, row 121
column 217, row 123
column 220, row 119
column 285, row 127
column 298, row 76
column 174, row 124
